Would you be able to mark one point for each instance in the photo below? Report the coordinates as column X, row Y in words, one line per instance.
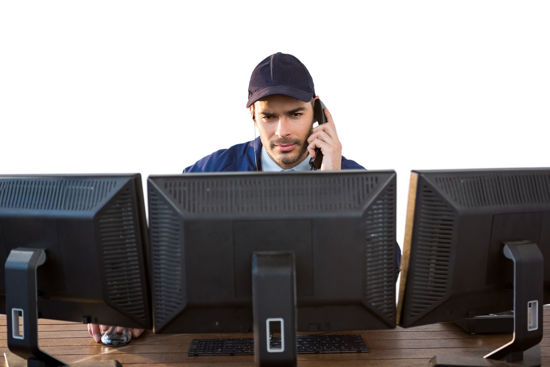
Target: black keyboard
column 305, row 344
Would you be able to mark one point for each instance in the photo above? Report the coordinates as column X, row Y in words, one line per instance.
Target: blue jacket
column 243, row 157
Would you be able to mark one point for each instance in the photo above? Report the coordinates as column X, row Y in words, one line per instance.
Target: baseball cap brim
column 280, row 89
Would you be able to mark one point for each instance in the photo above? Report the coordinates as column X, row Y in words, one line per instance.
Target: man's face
column 284, row 124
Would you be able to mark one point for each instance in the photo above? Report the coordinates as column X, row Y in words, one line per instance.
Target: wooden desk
column 71, row 343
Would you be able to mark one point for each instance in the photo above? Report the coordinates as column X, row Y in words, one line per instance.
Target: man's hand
column 96, row 331
column 325, row 138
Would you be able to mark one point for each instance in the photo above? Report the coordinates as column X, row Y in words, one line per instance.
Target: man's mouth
column 285, row 147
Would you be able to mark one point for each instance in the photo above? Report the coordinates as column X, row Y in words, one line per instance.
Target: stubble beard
column 290, row 159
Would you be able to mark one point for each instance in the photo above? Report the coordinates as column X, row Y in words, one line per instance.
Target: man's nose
column 282, row 127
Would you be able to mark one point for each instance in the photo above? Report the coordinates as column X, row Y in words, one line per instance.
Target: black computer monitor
column 74, row 246
column 210, row 233
column 475, row 244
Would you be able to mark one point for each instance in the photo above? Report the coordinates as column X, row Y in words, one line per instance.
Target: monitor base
column 531, row 358
column 13, row 360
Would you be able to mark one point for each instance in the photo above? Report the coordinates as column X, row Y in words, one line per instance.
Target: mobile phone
column 319, row 116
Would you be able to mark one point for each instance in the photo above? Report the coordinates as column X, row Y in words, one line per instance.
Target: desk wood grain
column 398, row 347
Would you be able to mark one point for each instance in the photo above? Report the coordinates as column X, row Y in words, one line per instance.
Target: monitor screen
column 340, row 226
column 93, row 232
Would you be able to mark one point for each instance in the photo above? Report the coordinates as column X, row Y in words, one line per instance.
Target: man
column 281, row 96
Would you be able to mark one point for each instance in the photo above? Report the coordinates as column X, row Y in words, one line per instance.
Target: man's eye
column 297, row 114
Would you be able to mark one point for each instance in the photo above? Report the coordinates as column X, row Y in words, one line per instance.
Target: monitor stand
column 274, row 308
column 523, row 349
column 21, row 307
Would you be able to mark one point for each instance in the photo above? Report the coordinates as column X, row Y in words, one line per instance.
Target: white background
column 152, row 86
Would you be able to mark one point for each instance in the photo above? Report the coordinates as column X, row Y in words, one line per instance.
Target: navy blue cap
column 280, row 74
